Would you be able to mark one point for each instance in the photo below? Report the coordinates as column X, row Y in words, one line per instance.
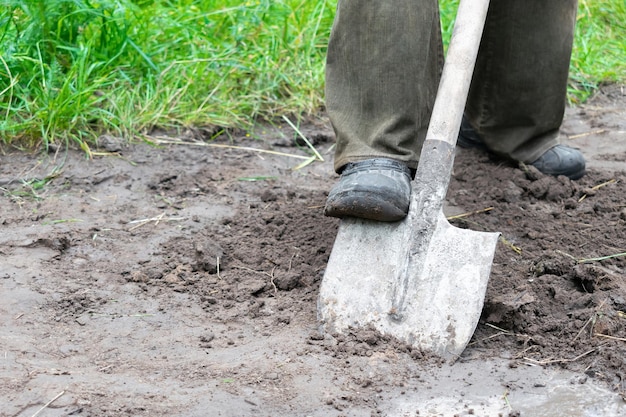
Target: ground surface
column 182, row 280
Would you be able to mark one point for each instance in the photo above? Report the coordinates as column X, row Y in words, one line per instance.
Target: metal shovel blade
column 431, row 299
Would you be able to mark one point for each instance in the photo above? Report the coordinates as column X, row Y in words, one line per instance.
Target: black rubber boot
column 558, row 160
column 376, row 189
column 561, row 160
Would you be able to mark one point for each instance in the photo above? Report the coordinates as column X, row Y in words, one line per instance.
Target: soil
column 181, row 279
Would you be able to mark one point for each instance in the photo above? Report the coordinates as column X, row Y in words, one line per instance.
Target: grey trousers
column 384, row 62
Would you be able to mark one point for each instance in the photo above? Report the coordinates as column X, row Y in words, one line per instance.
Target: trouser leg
column 517, row 98
column 382, row 72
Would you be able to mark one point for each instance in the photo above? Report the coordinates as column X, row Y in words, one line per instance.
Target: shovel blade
column 440, row 302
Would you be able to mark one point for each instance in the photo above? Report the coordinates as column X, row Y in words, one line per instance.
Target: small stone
column 208, row 255
column 207, row 337
column 316, row 336
column 287, row 282
column 83, row 320
column 109, row 143
column 532, row 173
column 138, row 276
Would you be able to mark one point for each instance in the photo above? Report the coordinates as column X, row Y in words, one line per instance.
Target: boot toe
column 561, row 160
column 375, row 189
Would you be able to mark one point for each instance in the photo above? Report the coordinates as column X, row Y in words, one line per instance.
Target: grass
column 599, row 47
column 73, row 69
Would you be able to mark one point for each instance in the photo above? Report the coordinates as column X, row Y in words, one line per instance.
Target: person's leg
column 518, row 93
column 382, row 71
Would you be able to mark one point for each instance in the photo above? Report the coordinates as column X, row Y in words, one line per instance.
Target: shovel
column 420, row 280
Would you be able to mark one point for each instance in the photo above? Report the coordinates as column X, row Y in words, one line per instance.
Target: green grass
column 73, row 69
column 599, row 55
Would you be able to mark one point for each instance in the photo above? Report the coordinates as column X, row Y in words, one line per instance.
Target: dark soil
column 168, row 280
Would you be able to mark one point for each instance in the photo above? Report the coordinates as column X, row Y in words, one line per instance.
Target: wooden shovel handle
column 445, row 120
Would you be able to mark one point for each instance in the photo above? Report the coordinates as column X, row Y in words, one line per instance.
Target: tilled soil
column 182, row 279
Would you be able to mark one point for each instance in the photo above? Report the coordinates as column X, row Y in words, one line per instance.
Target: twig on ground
column 315, row 152
column 501, row 332
column 588, row 260
column 471, row 213
column 591, row 320
column 510, row 244
column 566, row 254
column 493, row 326
column 597, row 187
column 551, row 361
column 168, row 141
column 46, row 405
column 621, row 339
column 505, row 396
column 521, row 354
column 582, row 135
column 269, row 274
column 272, row 281
column 156, row 220
column 291, row 261
column 601, row 258
column 493, row 336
